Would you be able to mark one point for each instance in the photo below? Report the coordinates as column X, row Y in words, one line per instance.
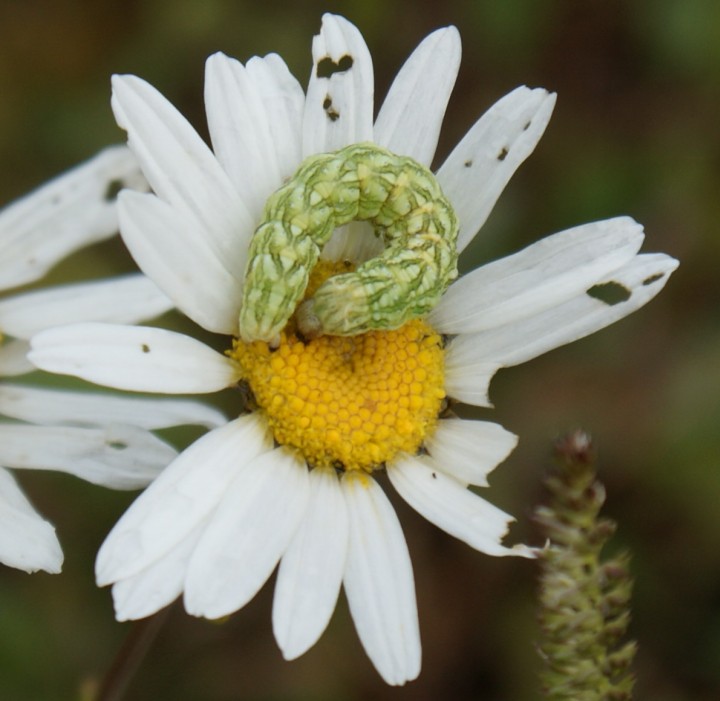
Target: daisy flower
column 102, row 439
column 292, row 480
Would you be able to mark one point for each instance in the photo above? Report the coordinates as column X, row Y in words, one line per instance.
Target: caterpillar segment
column 402, row 201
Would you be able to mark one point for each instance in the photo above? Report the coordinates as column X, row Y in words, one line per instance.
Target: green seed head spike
column 584, row 600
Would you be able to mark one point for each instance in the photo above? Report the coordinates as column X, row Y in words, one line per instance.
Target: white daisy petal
column 452, row 507
column 469, row 450
column 311, row 570
column 339, row 104
column 41, row 406
column 284, row 101
column 122, row 300
column 468, row 374
column 540, row 276
column 71, row 211
column 167, row 248
column 639, row 281
column 182, row 496
column 13, row 358
column 476, row 172
column 181, row 168
column 379, row 582
column 248, row 533
column 120, row 457
column 411, row 115
column 138, row 358
column 27, row 542
column 158, row 585
column 248, row 109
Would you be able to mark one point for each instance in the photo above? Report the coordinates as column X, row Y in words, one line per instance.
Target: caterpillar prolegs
column 403, row 202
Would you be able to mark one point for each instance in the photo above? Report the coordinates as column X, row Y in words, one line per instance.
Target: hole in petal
column 145, row 348
column 117, row 445
column 330, row 111
column 468, row 164
column 503, row 154
column 653, row 278
column 610, row 292
column 326, row 67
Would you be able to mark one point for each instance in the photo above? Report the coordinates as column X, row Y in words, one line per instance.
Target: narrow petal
column 540, row 276
column 181, row 168
column 637, row 282
column 410, row 118
column 122, row 300
column 339, row 105
column 469, row 450
column 41, row 406
column 71, row 211
column 27, row 542
column 311, row 570
column 158, row 585
column 379, row 582
column 138, row 358
column 183, row 495
column 452, row 507
column 120, row 457
column 248, row 533
column 476, row 172
column 13, row 358
column 251, row 112
column 167, row 248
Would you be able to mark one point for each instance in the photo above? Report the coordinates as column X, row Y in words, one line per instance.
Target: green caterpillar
column 404, row 203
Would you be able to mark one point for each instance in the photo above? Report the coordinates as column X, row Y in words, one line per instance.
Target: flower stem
column 130, row 656
column 584, row 602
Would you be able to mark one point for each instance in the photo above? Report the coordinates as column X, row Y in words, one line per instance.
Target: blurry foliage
column 635, row 132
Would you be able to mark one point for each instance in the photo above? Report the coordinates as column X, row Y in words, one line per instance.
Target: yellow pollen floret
column 350, row 402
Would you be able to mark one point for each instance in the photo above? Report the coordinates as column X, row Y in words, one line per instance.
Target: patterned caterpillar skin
column 403, row 202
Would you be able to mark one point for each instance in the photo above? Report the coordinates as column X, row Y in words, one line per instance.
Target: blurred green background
column 636, row 131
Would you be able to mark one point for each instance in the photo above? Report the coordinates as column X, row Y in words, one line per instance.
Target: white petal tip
column 292, row 652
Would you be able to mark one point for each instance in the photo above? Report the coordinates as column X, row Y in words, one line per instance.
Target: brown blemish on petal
column 326, row 67
column 330, row 111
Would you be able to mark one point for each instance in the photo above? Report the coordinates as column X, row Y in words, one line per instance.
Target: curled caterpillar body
column 404, row 203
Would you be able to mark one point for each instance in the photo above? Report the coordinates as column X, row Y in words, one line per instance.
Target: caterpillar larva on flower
column 403, row 202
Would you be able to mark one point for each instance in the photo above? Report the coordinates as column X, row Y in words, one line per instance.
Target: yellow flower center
column 349, row 402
